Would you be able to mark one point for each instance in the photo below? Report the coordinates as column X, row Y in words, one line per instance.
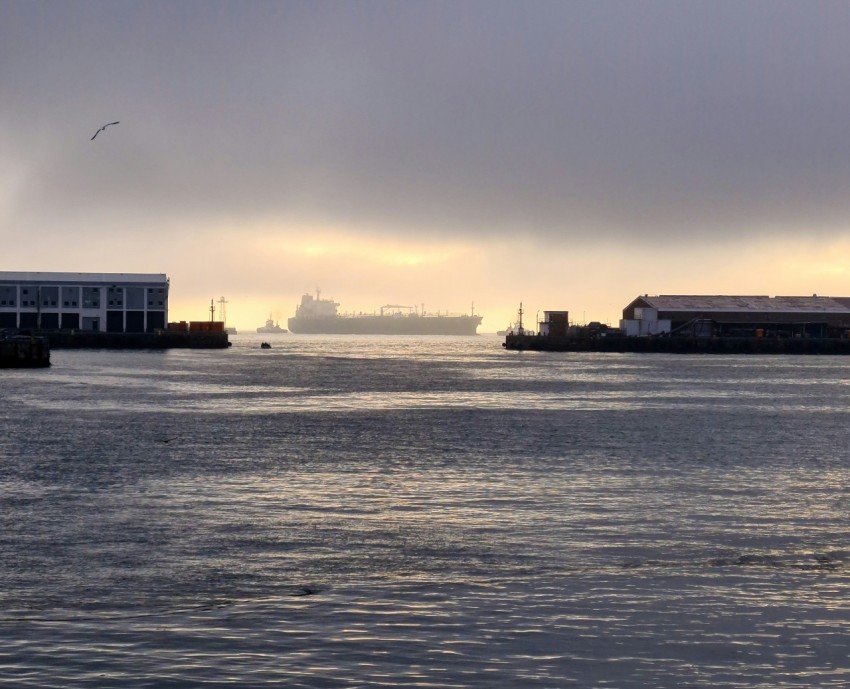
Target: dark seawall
column 158, row 340
column 680, row 345
column 22, row 351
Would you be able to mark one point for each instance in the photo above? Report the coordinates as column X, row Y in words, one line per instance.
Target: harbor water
column 350, row 512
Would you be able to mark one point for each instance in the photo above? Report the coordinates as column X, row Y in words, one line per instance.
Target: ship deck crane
column 395, row 306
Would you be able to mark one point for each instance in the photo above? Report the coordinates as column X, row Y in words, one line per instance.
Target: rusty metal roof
column 700, row 302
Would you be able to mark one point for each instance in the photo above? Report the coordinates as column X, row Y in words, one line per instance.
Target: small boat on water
column 512, row 329
column 516, row 328
column 265, row 345
column 271, row 328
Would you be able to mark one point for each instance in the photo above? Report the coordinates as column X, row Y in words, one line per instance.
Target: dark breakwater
column 22, row 351
column 156, row 340
column 679, row 345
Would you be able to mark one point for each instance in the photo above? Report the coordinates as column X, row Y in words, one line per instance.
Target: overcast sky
column 567, row 154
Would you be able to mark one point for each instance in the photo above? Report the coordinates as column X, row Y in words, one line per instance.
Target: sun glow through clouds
column 372, row 250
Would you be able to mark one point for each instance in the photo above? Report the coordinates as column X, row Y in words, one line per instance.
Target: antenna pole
column 222, row 312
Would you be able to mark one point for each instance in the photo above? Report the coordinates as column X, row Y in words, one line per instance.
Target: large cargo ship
column 315, row 316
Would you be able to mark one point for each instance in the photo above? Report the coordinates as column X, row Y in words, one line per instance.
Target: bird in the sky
column 102, row 128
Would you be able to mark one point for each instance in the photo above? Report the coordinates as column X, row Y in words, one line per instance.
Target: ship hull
column 385, row 325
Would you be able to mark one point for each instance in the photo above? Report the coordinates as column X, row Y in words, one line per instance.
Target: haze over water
column 423, row 512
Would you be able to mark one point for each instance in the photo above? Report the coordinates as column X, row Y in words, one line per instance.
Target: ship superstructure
column 271, row 328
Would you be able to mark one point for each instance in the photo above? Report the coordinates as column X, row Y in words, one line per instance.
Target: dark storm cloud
column 654, row 121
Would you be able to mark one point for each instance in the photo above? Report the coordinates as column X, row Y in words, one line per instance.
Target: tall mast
column 222, row 313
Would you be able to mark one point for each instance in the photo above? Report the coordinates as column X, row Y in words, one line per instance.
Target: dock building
column 704, row 324
column 736, row 316
column 89, row 302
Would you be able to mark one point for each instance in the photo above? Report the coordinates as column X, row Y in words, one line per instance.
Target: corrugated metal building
column 753, row 316
column 99, row 302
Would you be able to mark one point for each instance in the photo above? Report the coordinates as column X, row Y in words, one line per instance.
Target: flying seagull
column 102, row 128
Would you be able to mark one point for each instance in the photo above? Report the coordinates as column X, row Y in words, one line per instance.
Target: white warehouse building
column 98, row 302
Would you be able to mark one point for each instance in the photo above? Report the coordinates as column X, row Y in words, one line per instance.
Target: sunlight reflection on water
column 348, row 512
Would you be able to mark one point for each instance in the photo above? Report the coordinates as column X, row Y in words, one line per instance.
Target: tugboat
column 271, row 328
column 515, row 328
